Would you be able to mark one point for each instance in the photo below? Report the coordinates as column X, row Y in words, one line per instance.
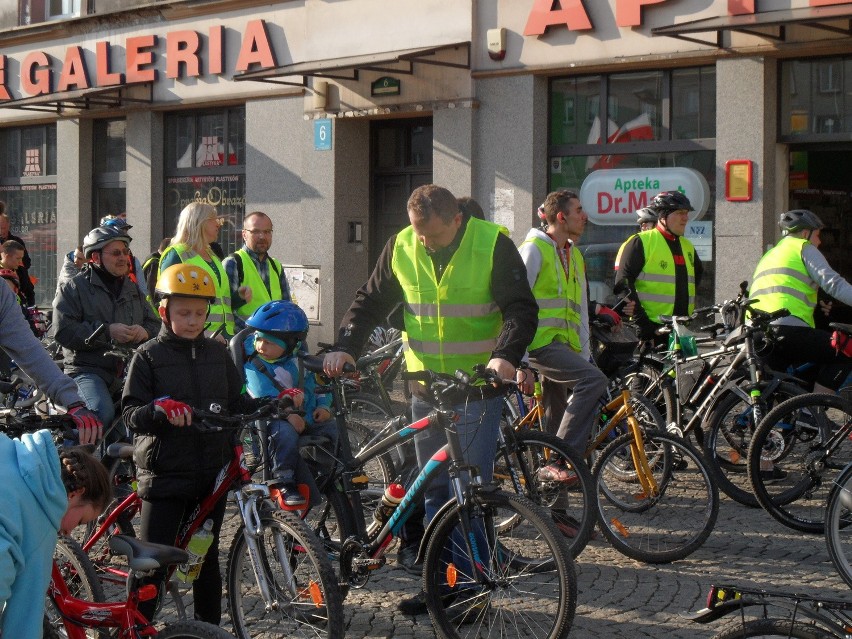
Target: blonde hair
column 189, row 226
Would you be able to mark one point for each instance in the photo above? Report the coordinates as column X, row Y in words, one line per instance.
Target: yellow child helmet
column 185, row 280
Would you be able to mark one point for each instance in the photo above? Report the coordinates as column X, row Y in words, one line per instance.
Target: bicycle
column 806, row 441
column 74, row 615
column 278, row 576
column 499, row 579
column 779, row 614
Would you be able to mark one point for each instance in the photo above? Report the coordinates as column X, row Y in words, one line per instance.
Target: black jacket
column 172, row 461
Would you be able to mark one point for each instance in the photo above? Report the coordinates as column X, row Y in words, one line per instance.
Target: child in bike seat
column 273, row 369
column 177, row 464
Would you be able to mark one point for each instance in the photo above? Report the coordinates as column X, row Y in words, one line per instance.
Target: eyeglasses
column 118, row 252
column 256, row 232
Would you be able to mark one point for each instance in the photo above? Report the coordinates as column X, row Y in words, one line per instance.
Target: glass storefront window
column 693, row 103
column 814, row 102
column 575, row 108
column 109, row 168
column 205, row 162
column 634, row 106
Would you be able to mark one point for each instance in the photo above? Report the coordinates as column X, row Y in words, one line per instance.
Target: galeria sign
column 628, row 13
column 612, row 196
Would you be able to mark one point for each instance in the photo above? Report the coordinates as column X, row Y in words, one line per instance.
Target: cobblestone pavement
column 623, row 598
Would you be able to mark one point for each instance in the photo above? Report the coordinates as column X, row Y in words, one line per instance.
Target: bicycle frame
column 80, row 614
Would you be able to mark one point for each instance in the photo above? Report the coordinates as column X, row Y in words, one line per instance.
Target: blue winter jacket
column 33, row 501
column 286, row 373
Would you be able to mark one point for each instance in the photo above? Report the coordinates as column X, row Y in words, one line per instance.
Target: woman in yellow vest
column 197, row 227
column 788, row 276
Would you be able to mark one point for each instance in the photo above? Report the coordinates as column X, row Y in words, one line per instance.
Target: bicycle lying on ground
column 278, row 577
column 764, row 613
column 74, row 616
column 497, row 579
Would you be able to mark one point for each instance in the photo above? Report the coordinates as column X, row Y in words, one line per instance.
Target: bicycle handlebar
column 94, row 336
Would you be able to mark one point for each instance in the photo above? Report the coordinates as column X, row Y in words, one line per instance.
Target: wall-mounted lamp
column 496, row 44
column 320, row 98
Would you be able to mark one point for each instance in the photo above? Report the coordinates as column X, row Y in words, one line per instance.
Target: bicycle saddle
column 143, row 556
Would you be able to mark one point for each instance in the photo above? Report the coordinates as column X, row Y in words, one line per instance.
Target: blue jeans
column 95, row 393
column 284, row 444
column 477, row 428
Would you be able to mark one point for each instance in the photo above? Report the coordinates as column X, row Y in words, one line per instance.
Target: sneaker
column 772, row 474
column 290, row 495
column 415, row 605
column 406, row 558
column 559, row 473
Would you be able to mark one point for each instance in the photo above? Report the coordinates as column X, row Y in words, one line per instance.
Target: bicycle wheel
column 755, row 628
column 303, row 597
column 518, row 468
column 644, row 411
column 515, row 601
column 661, row 527
column 192, row 629
column 728, row 429
column 789, row 465
column 838, row 517
column 82, row 581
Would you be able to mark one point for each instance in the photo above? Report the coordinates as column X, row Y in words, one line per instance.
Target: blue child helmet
column 284, row 320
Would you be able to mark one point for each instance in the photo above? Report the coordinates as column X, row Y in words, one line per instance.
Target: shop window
column 634, row 108
column 815, row 105
column 28, row 187
column 58, row 9
column 110, row 163
column 693, row 103
column 205, row 162
column 575, row 107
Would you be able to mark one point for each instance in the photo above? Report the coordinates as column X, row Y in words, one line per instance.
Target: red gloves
column 609, row 316
column 171, row 408
column 291, row 392
column 89, row 427
column 842, row 343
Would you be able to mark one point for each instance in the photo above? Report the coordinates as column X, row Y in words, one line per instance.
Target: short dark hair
column 248, row 216
column 470, row 208
column 557, row 202
column 429, row 200
column 11, row 245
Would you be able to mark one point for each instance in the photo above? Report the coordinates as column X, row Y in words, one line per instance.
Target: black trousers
column 798, row 346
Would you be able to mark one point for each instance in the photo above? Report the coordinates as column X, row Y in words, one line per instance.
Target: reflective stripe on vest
column 559, row 297
column 260, row 295
column 453, row 323
column 782, row 281
column 220, row 308
column 656, row 284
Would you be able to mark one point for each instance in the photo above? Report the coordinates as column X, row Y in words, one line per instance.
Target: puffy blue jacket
column 32, row 504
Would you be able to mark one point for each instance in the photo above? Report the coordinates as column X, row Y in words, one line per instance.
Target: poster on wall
column 226, row 192
column 32, row 215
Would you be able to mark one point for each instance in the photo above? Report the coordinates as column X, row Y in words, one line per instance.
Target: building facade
column 326, row 114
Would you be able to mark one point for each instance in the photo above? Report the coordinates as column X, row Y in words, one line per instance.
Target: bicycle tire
column 659, row 528
column 314, row 600
column 332, row 524
column 791, row 437
column 754, row 628
column 192, row 629
column 546, row 599
column 838, row 517
column 728, row 429
column 571, row 506
column 82, row 581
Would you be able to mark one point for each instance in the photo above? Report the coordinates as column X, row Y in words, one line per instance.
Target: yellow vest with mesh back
column 452, row 323
column 220, row 308
column 559, row 296
column 251, row 278
column 655, row 285
column 782, row 281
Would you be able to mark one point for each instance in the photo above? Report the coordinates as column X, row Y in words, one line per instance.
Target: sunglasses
column 118, row 252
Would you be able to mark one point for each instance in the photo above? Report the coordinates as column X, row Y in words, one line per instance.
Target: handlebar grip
column 711, row 328
column 416, row 376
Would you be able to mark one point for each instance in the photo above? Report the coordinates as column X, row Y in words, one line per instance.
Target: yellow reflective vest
column 559, row 296
column 220, row 308
column 452, row 323
column 260, row 295
column 656, row 284
column 782, row 281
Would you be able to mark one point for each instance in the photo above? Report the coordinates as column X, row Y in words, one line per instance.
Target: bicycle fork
column 247, row 503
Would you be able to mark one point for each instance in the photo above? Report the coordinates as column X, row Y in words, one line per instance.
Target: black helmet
column 100, row 236
column 646, row 215
column 799, row 220
column 670, row 201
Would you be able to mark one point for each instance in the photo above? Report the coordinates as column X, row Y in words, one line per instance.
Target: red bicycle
column 278, row 577
column 74, row 618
